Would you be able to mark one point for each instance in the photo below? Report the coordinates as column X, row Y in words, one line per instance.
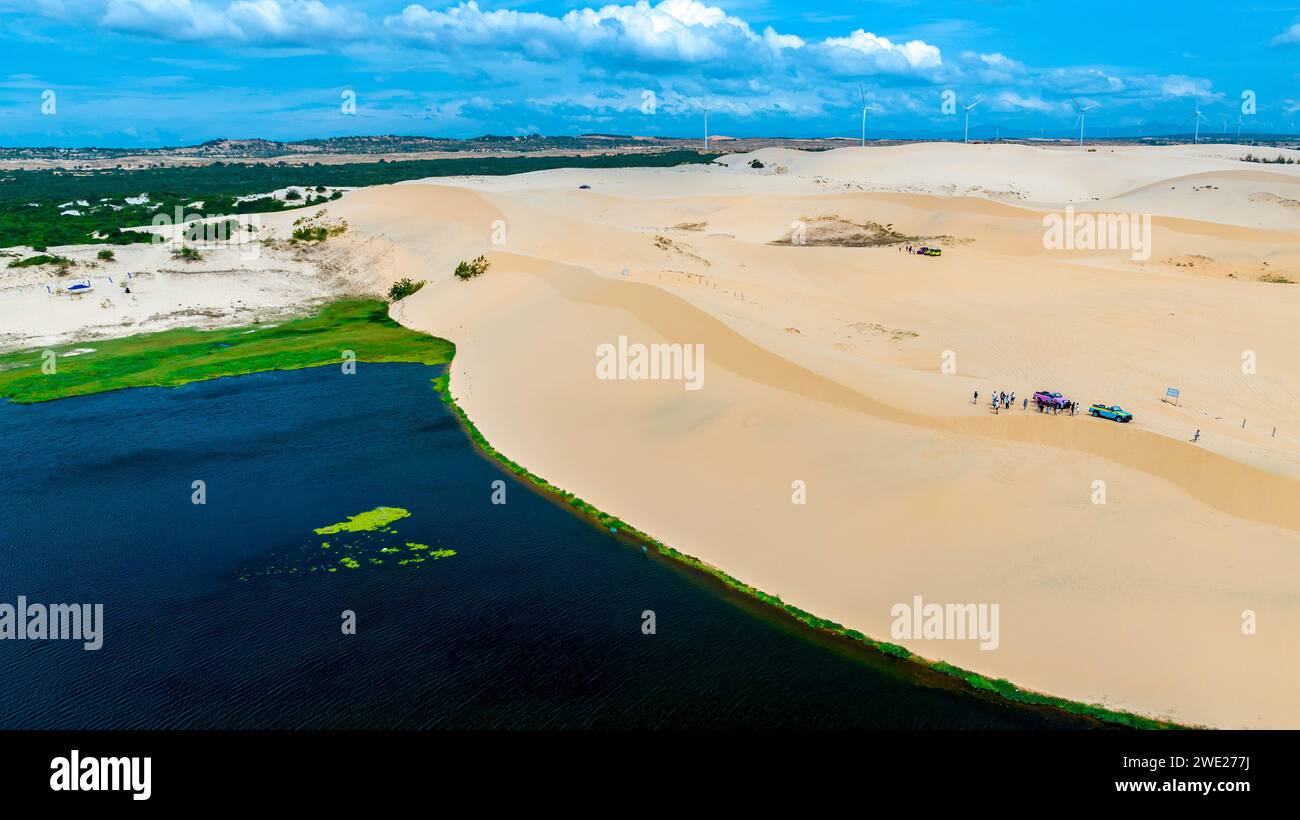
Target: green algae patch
column 376, row 519
column 364, row 537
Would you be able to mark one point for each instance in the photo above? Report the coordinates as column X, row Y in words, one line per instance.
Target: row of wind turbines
column 1196, row 117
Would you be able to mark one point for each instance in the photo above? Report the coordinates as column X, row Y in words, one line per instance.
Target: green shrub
column 468, row 270
column 105, row 255
column 41, row 259
column 403, row 288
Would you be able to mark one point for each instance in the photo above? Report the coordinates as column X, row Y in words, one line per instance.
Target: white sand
column 231, row 284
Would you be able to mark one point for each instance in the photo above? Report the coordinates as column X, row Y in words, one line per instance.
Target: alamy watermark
column 920, row 621
column 209, row 231
column 658, row 361
column 53, row 622
column 1088, row 231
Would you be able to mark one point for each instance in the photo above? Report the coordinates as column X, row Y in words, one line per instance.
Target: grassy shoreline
column 170, row 358
column 176, row 357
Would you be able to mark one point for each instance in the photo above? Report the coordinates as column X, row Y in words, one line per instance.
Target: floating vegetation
column 376, row 519
column 363, row 537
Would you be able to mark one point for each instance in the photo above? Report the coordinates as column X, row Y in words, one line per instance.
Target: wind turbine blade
column 863, row 93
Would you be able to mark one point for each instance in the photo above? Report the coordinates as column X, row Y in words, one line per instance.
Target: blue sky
column 168, row 72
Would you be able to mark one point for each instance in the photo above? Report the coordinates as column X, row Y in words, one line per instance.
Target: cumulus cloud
column 865, row 53
column 674, row 31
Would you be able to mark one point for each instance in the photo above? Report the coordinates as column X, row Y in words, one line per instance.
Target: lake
column 226, row 614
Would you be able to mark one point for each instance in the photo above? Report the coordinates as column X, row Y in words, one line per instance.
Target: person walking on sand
column 1025, row 405
column 975, row 398
column 1196, row 437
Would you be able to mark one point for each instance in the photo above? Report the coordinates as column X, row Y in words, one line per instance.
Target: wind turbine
column 705, row 109
column 965, row 137
column 1083, row 110
column 865, row 108
column 1196, row 116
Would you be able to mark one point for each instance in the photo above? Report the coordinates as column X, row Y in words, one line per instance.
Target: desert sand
column 851, row 369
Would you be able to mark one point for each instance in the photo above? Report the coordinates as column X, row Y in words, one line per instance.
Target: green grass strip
column 175, row 357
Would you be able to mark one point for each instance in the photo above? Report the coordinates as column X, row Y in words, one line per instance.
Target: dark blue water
column 214, row 617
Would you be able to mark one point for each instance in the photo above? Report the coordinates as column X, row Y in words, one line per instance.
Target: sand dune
column 824, row 366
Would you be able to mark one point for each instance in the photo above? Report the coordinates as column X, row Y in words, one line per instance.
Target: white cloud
column 1289, row 37
column 257, row 22
column 1011, row 101
column 674, row 31
column 864, row 52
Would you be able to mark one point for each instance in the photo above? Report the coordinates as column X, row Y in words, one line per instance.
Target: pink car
column 1051, row 399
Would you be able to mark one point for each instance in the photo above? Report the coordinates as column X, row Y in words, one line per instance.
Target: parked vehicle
column 1051, row 399
column 1113, row 412
column 925, row 251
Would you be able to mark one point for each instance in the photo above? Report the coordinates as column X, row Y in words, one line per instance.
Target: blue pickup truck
column 1113, row 412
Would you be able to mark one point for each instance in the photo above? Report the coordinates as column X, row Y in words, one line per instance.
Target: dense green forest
column 33, row 203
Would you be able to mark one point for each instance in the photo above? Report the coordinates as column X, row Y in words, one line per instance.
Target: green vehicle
column 1113, row 412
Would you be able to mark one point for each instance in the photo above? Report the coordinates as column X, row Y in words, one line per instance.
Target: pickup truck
column 1051, row 399
column 1113, row 412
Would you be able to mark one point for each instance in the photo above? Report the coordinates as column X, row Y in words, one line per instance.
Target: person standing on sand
column 1025, row 405
column 976, row 397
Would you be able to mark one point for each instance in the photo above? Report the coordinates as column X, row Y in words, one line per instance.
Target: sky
column 151, row 73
